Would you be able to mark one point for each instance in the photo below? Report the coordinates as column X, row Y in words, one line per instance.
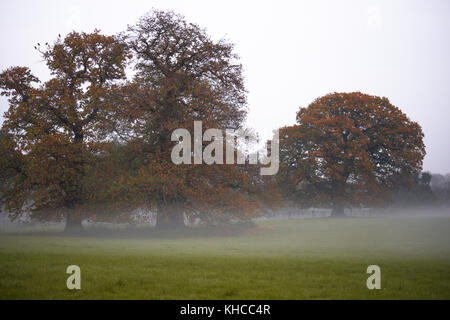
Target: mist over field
column 274, row 259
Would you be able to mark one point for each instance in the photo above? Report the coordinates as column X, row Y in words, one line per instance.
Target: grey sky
column 292, row 51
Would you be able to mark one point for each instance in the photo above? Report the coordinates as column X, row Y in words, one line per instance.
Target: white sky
column 292, row 51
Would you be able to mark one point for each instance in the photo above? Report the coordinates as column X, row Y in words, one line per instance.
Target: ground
column 276, row 259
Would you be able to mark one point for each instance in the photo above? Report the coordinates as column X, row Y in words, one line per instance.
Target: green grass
column 281, row 259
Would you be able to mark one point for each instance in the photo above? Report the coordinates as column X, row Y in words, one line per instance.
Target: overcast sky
column 292, row 51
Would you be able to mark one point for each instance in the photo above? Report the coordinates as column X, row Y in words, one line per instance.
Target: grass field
column 278, row 259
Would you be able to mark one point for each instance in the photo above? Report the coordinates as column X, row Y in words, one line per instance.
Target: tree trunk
column 170, row 217
column 73, row 223
column 337, row 211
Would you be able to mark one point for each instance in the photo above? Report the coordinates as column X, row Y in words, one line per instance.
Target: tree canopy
column 55, row 128
column 182, row 76
column 348, row 149
column 90, row 142
column 85, row 140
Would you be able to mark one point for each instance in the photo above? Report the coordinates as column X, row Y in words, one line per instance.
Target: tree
column 182, row 76
column 58, row 128
column 440, row 185
column 348, row 149
column 420, row 194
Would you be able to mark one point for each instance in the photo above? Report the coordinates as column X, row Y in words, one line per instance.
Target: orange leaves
column 344, row 141
column 57, row 127
column 62, row 132
column 182, row 76
column 87, row 57
column 17, row 81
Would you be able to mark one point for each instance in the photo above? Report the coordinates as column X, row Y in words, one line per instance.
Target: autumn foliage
column 92, row 143
column 94, row 146
column 182, row 76
column 55, row 129
column 348, row 150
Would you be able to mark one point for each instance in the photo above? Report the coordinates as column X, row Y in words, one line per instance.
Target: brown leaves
column 84, row 57
column 52, row 127
column 350, row 148
column 182, row 76
column 16, row 81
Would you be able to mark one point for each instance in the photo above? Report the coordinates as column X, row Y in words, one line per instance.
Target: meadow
column 274, row 259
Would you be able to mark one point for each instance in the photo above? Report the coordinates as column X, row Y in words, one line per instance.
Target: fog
column 96, row 197
column 142, row 223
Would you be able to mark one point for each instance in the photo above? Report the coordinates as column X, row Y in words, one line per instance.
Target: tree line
column 92, row 142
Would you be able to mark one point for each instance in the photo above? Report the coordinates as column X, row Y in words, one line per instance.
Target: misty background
column 292, row 51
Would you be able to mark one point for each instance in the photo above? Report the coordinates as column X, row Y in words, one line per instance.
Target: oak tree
column 348, row 149
column 182, row 76
column 54, row 130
